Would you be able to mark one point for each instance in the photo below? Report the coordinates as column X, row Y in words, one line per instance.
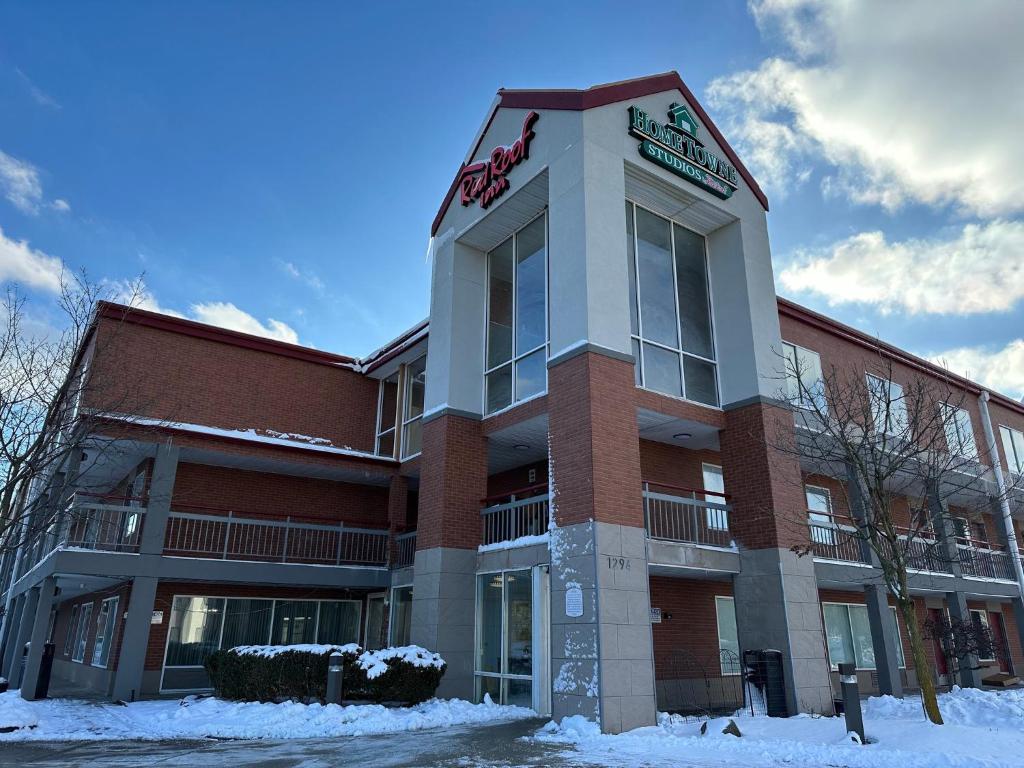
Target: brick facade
column 687, row 636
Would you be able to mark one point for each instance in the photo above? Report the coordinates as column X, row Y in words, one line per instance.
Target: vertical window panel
column 531, row 375
column 692, row 289
column 530, row 291
column 339, row 622
column 194, row 630
column 656, row 282
column 499, row 304
column 728, row 637
column 634, row 323
column 247, row 622
column 700, row 380
column 294, row 622
column 661, row 371
column 490, row 623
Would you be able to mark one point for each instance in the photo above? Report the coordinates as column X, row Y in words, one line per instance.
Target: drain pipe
column 1004, row 504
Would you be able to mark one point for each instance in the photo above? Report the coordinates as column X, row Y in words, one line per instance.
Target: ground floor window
column 728, row 637
column 201, row 625
column 373, row 636
column 106, row 621
column 82, row 632
column 69, row 638
column 986, row 648
column 504, row 654
column 401, row 616
column 849, row 635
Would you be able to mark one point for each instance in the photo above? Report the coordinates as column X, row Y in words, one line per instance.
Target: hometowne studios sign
column 674, row 145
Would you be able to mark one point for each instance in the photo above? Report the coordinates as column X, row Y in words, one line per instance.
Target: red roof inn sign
column 488, row 180
column 674, row 145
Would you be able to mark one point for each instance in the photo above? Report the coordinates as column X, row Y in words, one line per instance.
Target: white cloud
column 227, row 315
column 306, row 276
column 916, row 101
column 23, row 264
column 999, row 369
column 19, row 183
column 974, row 270
column 39, row 96
column 61, row 205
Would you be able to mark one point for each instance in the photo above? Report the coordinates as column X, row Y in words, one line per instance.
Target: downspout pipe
column 1004, row 504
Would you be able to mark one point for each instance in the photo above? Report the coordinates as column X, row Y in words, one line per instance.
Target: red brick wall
column 453, row 480
column 260, row 493
column 691, row 635
column 174, row 377
column 504, row 483
column 764, row 482
column 673, row 465
column 594, row 441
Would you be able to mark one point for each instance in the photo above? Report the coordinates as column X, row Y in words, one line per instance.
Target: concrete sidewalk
column 462, row 746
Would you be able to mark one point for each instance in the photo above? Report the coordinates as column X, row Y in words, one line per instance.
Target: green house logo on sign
column 674, row 145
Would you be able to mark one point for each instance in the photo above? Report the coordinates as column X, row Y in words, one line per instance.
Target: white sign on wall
column 655, row 615
column 157, row 617
column 574, row 602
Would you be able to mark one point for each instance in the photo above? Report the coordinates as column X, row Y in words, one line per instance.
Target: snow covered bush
column 408, row 674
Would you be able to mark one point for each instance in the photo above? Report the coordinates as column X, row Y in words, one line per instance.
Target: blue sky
column 288, row 158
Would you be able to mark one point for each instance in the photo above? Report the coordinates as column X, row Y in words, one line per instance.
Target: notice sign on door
column 574, row 602
column 655, row 615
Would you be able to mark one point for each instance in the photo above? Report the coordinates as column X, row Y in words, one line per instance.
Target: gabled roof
column 599, row 96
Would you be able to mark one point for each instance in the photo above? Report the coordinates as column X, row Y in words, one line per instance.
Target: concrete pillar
column 884, row 631
column 161, row 487
column 132, row 661
column 23, row 635
column 601, row 643
column 970, row 677
column 12, row 629
column 885, row 639
column 776, row 591
column 40, row 623
column 453, row 480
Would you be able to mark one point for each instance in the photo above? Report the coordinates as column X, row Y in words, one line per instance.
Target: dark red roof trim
column 835, row 328
column 120, row 312
column 397, row 347
column 599, row 96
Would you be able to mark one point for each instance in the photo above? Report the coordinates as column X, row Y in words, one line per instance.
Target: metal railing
column 230, row 537
column 835, row 542
column 106, row 527
column 926, row 554
column 516, row 518
column 985, row 562
column 405, row 549
column 688, row 519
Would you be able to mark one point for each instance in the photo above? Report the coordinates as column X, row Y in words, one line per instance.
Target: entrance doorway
column 1002, row 649
column 512, row 657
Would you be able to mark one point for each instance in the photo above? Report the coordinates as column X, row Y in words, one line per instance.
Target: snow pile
column 269, row 651
column 190, row 718
column 522, row 541
column 375, row 662
column 297, row 437
column 983, row 728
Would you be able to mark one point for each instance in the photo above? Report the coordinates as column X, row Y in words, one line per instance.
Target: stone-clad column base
column 602, row 661
column 443, row 614
column 884, row 639
column 777, row 608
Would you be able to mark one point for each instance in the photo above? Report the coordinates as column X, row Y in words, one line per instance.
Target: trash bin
column 763, row 672
column 45, row 668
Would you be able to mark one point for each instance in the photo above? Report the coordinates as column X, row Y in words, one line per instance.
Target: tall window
column 387, row 412
column 412, row 410
column 106, row 621
column 805, row 385
column 69, row 638
column 400, row 616
column 82, row 632
column 819, row 515
column 1013, row 448
column 848, row 631
column 504, row 657
column 888, row 407
column 670, row 308
column 728, row 638
column 718, row 519
column 516, row 364
column 986, row 649
column 959, row 431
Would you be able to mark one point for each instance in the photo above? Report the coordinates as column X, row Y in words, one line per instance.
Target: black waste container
column 763, row 672
column 45, row 668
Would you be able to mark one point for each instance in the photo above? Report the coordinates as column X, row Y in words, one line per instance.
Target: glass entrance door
column 507, row 644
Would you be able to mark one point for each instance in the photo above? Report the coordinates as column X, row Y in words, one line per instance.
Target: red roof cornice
column 122, row 313
column 826, row 324
column 599, row 96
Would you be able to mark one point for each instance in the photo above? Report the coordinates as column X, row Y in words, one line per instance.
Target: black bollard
column 851, row 700
column 334, row 670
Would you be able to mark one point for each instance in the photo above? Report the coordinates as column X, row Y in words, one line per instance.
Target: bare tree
column 906, row 457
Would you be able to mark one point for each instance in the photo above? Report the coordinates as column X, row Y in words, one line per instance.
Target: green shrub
column 301, row 674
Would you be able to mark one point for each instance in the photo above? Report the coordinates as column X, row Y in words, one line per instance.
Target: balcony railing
column 233, row 537
column 673, row 513
column 106, row 527
column 985, row 562
column 524, row 514
column 405, row 549
column 835, row 542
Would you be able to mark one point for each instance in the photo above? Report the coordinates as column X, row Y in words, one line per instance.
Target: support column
column 40, row 623
column 158, row 507
column 776, row 591
column 453, row 480
column 970, row 677
column 11, row 637
column 23, row 635
column 132, row 661
column 601, row 644
column 884, row 631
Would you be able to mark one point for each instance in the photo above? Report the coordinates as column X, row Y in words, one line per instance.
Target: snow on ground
column 191, row 718
column 983, row 728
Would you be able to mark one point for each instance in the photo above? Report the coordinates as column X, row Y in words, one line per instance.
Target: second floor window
column 959, row 431
column 1013, row 448
column 888, row 407
column 387, row 412
column 412, row 408
column 819, row 515
column 805, row 386
column 670, row 308
column 516, row 345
